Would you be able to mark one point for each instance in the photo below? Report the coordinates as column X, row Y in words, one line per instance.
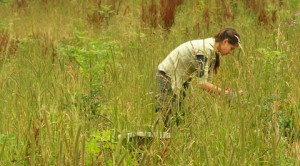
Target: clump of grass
column 168, row 11
column 8, row 45
column 160, row 14
column 149, row 14
column 227, row 13
column 101, row 12
column 266, row 13
column 20, row 3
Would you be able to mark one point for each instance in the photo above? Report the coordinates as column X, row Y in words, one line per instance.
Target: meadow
column 74, row 75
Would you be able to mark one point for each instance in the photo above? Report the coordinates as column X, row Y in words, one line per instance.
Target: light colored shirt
column 194, row 58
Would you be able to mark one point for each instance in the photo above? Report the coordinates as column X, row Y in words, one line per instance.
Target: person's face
column 225, row 47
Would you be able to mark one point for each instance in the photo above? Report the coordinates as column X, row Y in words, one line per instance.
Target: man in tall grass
column 195, row 58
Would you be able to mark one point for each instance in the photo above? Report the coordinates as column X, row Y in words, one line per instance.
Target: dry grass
column 160, row 13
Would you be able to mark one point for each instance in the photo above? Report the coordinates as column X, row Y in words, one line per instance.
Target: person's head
column 227, row 40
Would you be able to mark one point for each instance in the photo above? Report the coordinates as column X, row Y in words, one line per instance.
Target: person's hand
column 227, row 91
column 240, row 92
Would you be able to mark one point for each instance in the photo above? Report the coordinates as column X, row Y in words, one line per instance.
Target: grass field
column 76, row 74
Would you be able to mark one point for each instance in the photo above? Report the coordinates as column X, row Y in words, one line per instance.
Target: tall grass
column 54, row 113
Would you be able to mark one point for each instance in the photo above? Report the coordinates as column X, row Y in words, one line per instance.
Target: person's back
column 181, row 64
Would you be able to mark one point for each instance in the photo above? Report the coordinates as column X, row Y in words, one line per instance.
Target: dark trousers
column 167, row 101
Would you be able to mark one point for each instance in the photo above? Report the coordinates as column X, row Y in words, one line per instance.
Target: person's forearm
column 211, row 88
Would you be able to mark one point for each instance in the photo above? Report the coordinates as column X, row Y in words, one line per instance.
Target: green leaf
column 11, row 136
column 1, row 138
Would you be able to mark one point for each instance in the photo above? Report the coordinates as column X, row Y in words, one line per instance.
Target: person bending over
column 198, row 59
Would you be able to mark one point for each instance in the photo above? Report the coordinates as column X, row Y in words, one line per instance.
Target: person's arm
column 211, row 88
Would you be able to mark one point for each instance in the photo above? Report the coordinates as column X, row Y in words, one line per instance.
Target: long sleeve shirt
column 194, row 58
